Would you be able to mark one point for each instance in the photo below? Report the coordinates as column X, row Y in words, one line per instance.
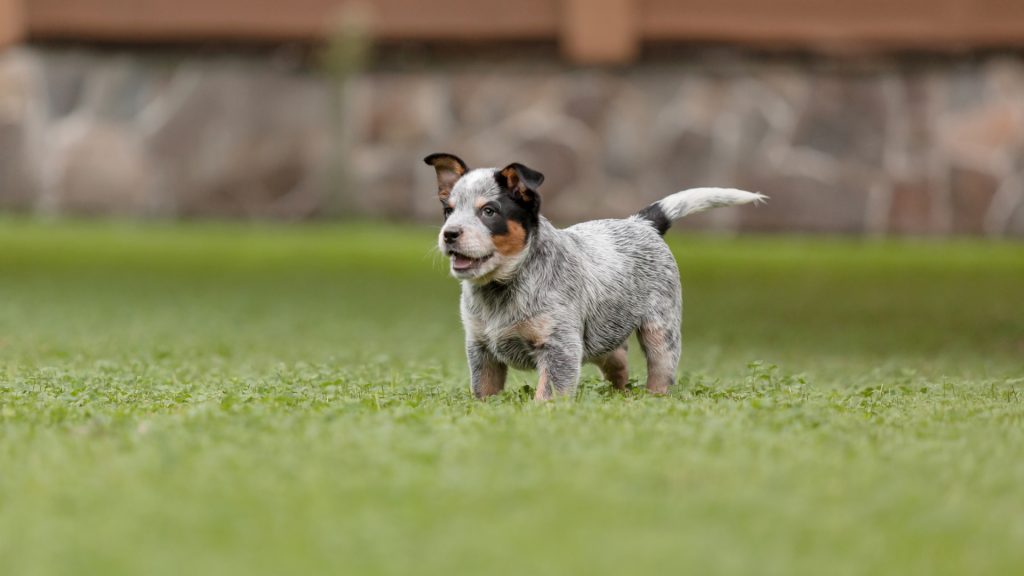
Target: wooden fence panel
column 177, row 20
column 588, row 30
column 11, row 24
column 597, row 31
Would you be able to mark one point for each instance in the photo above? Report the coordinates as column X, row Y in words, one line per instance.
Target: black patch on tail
column 655, row 215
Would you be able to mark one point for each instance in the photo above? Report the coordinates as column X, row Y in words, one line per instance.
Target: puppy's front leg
column 487, row 374
column 558, row 363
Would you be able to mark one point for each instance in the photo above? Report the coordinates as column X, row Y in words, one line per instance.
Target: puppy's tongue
column 460, row 262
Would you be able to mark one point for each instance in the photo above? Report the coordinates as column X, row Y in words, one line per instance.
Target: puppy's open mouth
column 463, row 263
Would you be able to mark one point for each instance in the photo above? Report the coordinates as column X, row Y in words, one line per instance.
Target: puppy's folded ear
column 449, row 169
column 522, row 182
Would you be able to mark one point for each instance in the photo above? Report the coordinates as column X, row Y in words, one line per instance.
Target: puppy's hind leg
column 661, row 344
column 614, row 366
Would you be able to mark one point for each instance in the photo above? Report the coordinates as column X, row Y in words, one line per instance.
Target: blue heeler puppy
column 537, row 297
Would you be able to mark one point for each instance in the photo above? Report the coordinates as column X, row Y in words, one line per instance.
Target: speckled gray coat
column 537, row 297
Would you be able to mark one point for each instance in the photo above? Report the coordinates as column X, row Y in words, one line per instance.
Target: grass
column 225, row 399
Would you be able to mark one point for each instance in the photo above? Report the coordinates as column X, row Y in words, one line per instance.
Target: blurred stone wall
column 897, row 145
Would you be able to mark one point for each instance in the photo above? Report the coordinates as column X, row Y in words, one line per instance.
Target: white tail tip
column 696, row 200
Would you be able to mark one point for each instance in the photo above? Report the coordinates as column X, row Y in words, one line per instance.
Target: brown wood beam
column 589, row 31
column 599, row 31
column 184, row 20
column 12, row 27
column 863, row 24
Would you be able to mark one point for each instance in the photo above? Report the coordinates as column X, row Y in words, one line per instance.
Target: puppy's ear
column 522, row 182
column 449, row 169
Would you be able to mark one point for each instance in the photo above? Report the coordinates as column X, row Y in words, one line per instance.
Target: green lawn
column 226, row 399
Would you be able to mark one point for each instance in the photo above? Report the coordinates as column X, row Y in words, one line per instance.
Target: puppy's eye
column 488, row 211
column 448, row 211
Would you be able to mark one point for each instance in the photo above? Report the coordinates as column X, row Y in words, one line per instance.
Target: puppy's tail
column 664, row 211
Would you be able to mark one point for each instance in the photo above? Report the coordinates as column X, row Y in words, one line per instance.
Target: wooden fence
column 589, row 31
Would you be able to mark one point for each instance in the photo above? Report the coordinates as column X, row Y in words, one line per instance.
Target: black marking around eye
column 509, row 210
column 512, row 207
column 497, row 224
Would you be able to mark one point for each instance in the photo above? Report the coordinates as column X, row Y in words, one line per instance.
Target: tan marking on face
column 511, row 243
column 480, row 203
column 543, row 392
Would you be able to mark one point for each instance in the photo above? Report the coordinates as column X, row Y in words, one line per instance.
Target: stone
column 802, row 204
column 118, row 90
column 910, row 210
column 971, row 194
column 915, row 149
column 65, row 76
column 916, row 111
column 756, row 133
column 686, row 161
column 562, row 168
column 18, row 184
column 588, row 98
column 844, row 118
column 18, row 188
column 104, row 170
column 389, row 184
column 406, row 108
column 1016, row 222
column 787, row 82
column 234, row 144
column 966, row 88
column 626, row 136
column 984, row 135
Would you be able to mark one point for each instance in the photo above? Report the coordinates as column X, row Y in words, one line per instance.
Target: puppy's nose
column 452, row 234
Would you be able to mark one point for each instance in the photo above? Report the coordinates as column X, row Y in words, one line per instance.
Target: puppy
column 537, row 297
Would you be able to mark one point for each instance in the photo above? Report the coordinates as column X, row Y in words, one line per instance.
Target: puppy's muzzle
column 451, row 235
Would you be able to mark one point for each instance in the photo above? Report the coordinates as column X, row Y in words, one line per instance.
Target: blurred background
column 228, row 344
column 866, row 117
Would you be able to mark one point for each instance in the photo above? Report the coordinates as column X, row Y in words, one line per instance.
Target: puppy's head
column 490, row 215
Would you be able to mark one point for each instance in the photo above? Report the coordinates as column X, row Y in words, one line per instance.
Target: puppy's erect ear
column 522, row 182
column 449, row 169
